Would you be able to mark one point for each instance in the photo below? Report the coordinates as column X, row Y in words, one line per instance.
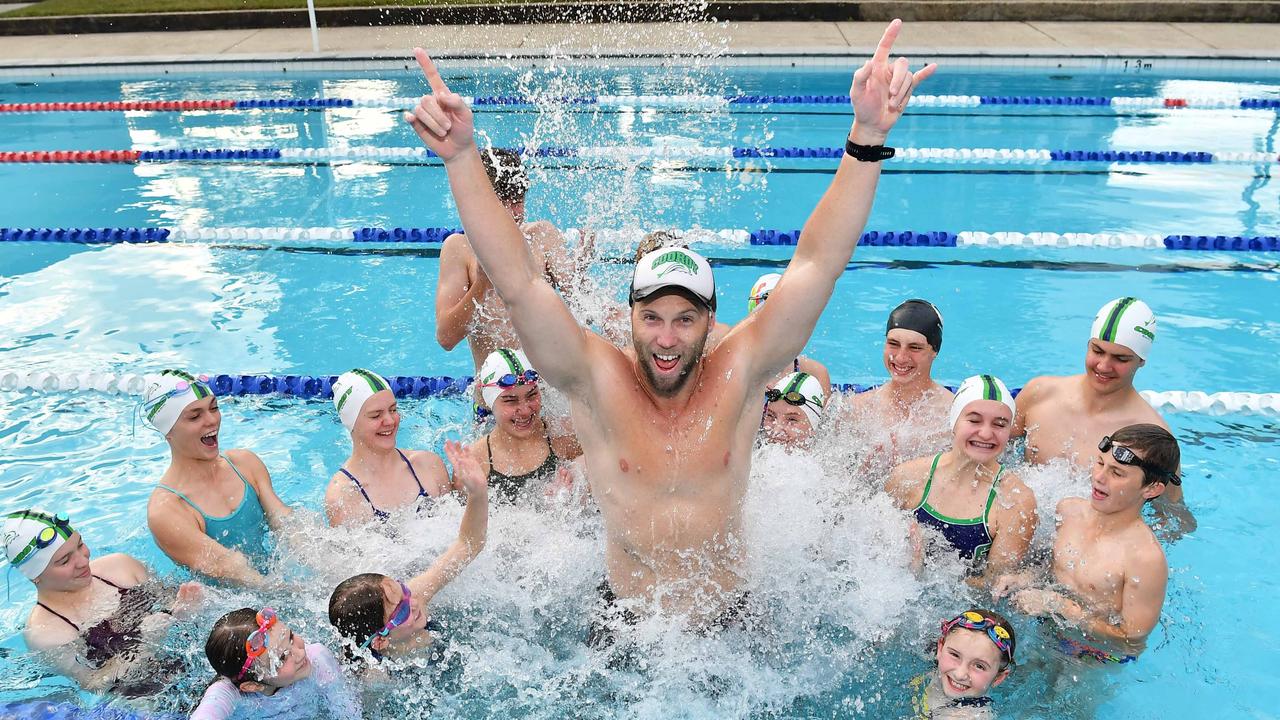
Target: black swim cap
column 920, row 316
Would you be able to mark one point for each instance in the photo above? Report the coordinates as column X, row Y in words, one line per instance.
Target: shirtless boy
column 1060, row 416
column 667, row 435
column 465, row 307
column 1111, row 570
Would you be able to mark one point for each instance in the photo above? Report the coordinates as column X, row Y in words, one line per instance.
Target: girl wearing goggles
column 974, row 654
column 94, row 621
column 211, row 509
column 266, row 670
column 380, row 616
column 521, row 451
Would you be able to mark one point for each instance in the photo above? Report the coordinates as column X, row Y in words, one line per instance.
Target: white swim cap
column 1129, row 322
column 764, row 285
column 674, row 267
column 501, row 363
column 32, row 538
column 169, row 393
column 352, row 389
column 807, row 387
column 981, row 387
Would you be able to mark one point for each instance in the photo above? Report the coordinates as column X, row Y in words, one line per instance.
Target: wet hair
column 357, row 610
column 1158, row 448
column 659, row 239
column 506, row 174
column 225, row 646
column 1006, row 659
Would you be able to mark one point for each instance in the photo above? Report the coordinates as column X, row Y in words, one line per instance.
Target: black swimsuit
column 121, row 634
column 383, row 514
column 510, row 486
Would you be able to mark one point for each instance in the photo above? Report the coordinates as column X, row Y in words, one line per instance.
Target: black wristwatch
column 868, row 153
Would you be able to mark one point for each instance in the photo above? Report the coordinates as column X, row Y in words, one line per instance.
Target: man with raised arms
column 1061, row 416
column 668, row 435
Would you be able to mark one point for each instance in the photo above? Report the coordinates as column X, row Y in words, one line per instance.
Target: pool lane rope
column 691, row 102
column 637, row 153
column 732, row 237
column 419, row 386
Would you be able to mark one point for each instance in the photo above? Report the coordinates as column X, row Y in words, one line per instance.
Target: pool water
column 846, row 619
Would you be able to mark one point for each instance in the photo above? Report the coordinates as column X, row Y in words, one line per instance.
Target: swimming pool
column 844, row 610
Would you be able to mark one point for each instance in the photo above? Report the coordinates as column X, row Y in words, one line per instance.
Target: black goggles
column 792, row 398
column 1125, row 456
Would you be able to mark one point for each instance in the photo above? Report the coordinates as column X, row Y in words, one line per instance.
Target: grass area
column 54, row 8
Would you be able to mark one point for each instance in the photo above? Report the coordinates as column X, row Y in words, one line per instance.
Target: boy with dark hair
column 1105, row 556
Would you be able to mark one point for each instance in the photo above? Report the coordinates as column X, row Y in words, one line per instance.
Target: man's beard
column 676, row 384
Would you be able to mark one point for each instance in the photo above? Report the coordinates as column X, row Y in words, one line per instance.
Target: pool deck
column 1200, row 40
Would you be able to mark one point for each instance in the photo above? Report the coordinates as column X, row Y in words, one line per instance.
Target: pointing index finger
column 886, row 42
column 430, row 72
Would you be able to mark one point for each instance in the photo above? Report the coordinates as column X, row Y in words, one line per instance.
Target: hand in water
column 190, row 598
column 466, row 470
column 442, row 119
column 1010, row 583
column 1036, row 602
column 881, row 89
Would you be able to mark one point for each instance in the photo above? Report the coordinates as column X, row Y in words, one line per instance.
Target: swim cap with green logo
column 503, row 361
column 1129, row 322
column 352, row 389
column 981, row 387
column 809, row 388
column 674, row 268
column 163, row 401
column 32, row 538
column 761, row 289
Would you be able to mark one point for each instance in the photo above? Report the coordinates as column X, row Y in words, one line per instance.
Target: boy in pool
column 974, row 654
column 466, row 309
column 1060, row 416
column 906, row 416
column 1105, row 558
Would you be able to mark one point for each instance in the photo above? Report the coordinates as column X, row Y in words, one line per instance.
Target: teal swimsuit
column 244, row 529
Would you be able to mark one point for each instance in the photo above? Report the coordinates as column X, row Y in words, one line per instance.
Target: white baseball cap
column 674, row 268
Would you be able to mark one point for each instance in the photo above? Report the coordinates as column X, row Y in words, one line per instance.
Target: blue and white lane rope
column 730, row 237
column 678, row 102
column 419, row 386
column 630, row 154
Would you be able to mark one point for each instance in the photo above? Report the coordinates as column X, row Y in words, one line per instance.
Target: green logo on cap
column 1144, row 332
column 676, row 260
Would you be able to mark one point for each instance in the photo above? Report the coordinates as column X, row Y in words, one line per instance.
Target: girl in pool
column 377, row 478
column 210, row 511
column 974, row 654
column 518, row 455
column 265, row 670
column 96, row 621
column 986, row 515
column 388, row 617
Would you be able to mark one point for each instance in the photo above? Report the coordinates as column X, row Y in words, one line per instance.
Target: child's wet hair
column 225, row 646
column 1158, row 447
column 357, row 610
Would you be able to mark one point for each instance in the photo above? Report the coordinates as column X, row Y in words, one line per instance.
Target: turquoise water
column 846, row 618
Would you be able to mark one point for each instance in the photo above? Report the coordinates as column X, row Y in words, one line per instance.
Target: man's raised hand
column 442, row 119
column 881, row 89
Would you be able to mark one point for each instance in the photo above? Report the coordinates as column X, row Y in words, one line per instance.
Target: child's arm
column 219, row 701
column 472, row 532
column 1141, row 602
column 1014, row 519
